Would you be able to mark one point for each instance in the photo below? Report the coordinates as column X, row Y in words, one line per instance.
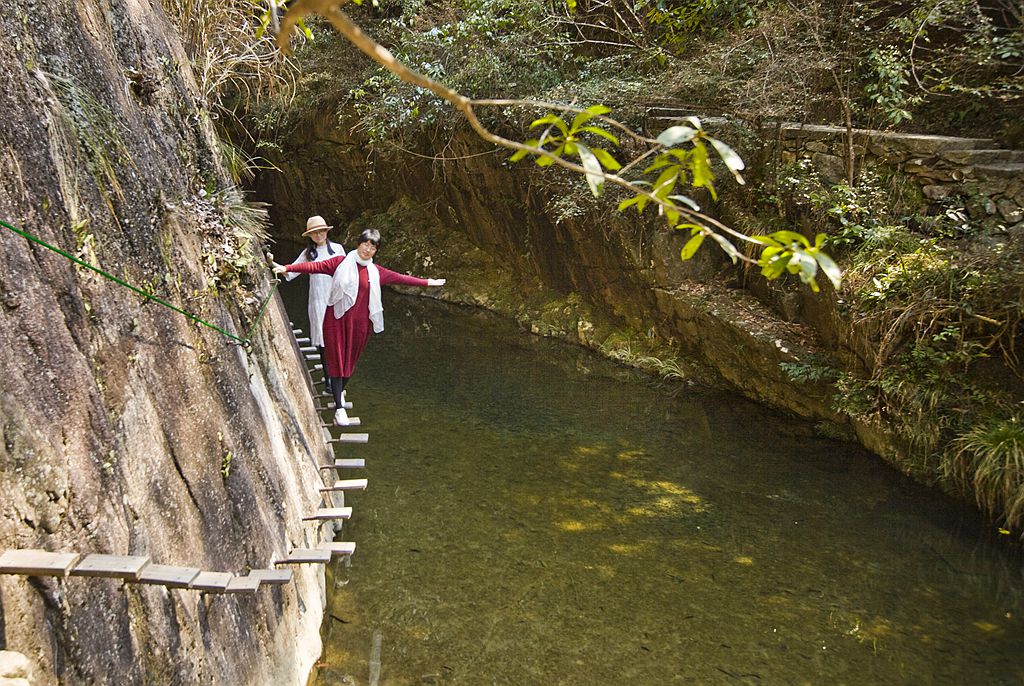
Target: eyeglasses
column 367, row 245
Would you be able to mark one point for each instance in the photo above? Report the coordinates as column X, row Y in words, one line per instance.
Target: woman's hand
column 278, row 268
column 435, row 282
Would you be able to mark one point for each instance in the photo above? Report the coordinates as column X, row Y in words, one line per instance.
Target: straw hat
column 315, row 223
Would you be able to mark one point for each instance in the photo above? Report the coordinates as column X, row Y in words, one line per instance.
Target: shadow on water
column 538, row 515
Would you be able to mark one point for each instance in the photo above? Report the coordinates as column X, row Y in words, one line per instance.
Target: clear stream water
column 538, row 515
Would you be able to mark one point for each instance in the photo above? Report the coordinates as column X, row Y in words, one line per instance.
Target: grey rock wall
column 126, row 428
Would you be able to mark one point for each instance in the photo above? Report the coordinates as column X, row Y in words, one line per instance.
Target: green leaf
column 607, row 161
column 305, row 29
column 671, row 216
column 600, row 132
column 831, row 269
column 520, row 154
column 543, row 161
column 701, row 170
column 586, row 115
column 694, row 228
column 686, row 200
column 595, row 178
column 629, row 202
column 554, row 120
column 691, row 247
column 733, row 161
column 790, row 237
column 666, row 182
column 674, row 135
column 659, row 162
column 727, row 246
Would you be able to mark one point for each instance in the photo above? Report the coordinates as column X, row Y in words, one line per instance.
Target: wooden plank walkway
column 166, row 575
column 339, row 547
column 272, row 577
column 327, row 513
column 352, row 421
column 37, row 562
column 346, row 463
column 114, row 566
column 243, row 584
column 215, row 582
column 350, row 438
column 300, row 556
column 346, row 485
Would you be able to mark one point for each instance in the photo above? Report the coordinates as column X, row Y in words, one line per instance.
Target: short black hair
column 372, row 235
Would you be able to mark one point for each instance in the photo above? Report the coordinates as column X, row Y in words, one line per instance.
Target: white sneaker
column 341, row 417
column 344, row 403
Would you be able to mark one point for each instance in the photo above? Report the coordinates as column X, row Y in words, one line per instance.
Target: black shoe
column 327, row 386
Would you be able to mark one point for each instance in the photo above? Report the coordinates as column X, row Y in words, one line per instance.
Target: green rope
column 263, row 308
column 144, row 294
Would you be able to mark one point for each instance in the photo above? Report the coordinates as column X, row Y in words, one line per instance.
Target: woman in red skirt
column 353, row 305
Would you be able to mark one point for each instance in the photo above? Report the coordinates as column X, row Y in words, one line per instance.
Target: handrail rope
column 263, row 308
column 144, row 294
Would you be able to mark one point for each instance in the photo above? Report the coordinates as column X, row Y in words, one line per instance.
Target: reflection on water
column 537, row 515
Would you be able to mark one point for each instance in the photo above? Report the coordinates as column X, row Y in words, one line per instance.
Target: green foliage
column 567, row 140
column 888, row 89
column 988, row 460
column 678, row 23
column 812, row 371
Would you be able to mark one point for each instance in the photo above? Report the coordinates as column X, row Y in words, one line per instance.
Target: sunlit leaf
column 666, row 182
column 701, row 170
column 733, row 161
column 595, row 178
column 727, row 246
column 607, row 161
column 694, row 121
column 586, row 115
column 520, row 154
column 674, row 135
column 554, row 120
column 788, row 237
column 629, row 202
column 831, row 269
column 691, row 247
column 600, row 132
column 686, row 200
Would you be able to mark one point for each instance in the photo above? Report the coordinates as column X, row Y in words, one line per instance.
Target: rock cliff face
column 128, row 429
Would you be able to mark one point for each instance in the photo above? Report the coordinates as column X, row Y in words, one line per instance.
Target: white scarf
column 345, row 287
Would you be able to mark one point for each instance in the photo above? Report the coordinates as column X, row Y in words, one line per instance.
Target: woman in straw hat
column 354, row 304
column 318, row 248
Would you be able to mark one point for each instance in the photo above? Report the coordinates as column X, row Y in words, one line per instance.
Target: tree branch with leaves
column 681, row 156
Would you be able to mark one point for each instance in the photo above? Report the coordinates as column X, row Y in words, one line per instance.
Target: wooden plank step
column 329, row 513
column 243, row 584
column 166, row 575
column 339, row 547
column 316, row 367
column 214, row 582
column 300, row 556
column 346, row 485
column 346, row 463
column 352, row 421
column 350, row 438
column 37, row 562
column 302, row 341
column 308, row 348
column 117, row 566
column 331, row 406
column 272, row 577
column 312, row 358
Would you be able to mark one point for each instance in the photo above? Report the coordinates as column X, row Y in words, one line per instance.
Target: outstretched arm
column 322, row 267
column 388, row 277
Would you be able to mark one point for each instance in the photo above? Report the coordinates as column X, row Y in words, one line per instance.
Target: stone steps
column 983, row 157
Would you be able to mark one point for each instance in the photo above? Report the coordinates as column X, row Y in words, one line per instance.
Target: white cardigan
column 319, row 290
